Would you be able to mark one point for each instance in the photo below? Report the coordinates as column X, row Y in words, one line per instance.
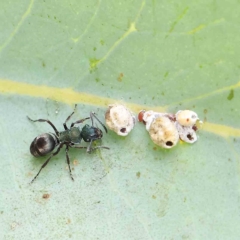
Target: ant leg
column 78, row 147
column 46, row 162
column 79, row 121
column 89, row 147
column 92, row 114
column 100, row 147
column 68, row 162
column 45, row 120
column 65, row 125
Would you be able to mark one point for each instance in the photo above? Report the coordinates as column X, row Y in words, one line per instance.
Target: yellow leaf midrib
column 69, row 96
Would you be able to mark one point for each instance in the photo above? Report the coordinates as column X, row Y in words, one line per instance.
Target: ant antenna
column 93, row 114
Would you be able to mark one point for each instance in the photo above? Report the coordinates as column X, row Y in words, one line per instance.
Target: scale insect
column 119, row 119
column 165, row 129
column 70, row 137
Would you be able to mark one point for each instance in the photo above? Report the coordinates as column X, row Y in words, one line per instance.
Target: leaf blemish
column 120, row 77
column 166, row 74
column 46, row 195
column 93, row 63
column 231, row 95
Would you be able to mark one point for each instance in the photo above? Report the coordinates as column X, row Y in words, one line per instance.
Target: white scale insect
column 165, row 129
column 120, row 119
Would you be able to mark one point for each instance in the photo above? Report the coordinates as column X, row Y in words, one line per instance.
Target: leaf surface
column 156, row 55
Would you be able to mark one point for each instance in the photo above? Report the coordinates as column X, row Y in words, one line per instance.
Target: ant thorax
column 71, row 135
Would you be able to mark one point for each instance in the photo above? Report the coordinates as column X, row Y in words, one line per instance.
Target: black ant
column 70, row 137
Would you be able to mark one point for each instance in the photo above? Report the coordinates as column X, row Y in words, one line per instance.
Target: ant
column 70, row 137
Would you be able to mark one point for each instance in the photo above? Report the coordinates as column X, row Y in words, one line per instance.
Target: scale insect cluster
column 165, row 129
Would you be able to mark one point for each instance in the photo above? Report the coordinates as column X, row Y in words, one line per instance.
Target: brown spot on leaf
column 120, row 77
column 46, row 195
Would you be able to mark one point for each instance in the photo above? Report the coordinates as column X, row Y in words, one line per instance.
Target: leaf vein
column 24, row 16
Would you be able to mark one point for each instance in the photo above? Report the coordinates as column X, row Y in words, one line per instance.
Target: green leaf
column 165, row 56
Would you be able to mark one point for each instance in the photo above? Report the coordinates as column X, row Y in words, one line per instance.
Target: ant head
column 90, row 133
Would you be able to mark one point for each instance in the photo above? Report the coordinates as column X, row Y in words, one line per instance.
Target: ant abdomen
column 43, row 144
